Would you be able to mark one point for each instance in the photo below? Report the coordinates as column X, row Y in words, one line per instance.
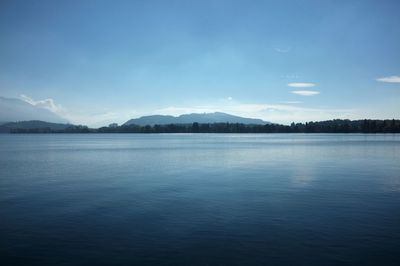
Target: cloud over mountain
column 12, row 110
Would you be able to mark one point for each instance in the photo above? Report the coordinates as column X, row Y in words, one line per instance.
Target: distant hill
column 34, row 124
column 12, row 110
column 205, row 118
column 331, row 126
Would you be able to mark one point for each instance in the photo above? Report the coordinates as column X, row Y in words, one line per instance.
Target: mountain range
column 32, row 124
column 15, row 110
column 204, row 118
column 12, row 110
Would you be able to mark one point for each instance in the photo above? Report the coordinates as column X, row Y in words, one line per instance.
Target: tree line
column 330, row 126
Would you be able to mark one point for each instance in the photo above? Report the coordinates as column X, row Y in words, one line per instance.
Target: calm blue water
column 127, row 199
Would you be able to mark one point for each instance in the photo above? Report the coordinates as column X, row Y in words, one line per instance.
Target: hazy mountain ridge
column 32, row 124
column 201, row 118
column 13, row 110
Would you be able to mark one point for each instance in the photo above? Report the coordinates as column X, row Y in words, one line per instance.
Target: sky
column 97, row 62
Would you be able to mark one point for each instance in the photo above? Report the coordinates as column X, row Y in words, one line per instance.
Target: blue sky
column 95, row 62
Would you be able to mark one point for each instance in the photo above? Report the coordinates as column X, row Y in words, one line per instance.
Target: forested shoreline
column 330, row 126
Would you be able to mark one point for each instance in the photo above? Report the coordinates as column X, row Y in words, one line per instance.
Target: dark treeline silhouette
column 69, row 129
column 331, row 126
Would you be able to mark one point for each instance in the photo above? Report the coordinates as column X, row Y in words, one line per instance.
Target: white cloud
column 229, row 98
column 301, row 84
column 391, row 79
column 48, row 104
column 306, row 93
column 283, row 49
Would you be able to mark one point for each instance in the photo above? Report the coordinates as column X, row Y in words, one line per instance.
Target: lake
column 200, row 199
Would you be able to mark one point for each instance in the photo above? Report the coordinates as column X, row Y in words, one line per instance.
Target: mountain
column 12, row 110
column 34, row 124
column 204, row 118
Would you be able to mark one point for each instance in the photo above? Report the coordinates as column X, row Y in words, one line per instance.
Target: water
column 127, row 199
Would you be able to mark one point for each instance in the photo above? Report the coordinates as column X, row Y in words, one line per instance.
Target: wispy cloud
column 48, row 104
column 390, row 79
column 282, row 49
column 301, row 84
column 306, row 93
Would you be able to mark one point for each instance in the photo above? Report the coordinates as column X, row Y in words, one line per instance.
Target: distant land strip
column 330, row 126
